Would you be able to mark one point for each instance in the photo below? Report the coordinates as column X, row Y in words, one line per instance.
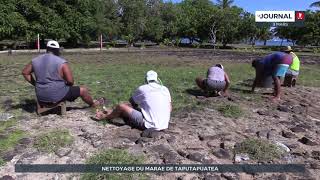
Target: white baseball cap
column 151, row 76
column 53, row 44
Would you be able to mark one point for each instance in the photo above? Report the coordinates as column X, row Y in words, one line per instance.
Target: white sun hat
column 53, row 44
column 151, row 76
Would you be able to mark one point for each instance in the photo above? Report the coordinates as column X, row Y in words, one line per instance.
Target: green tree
column 229, row 25
column 193, row 17
column 133, row 18
column 315, row 4
column 224, row 3
column 169, row 16
column 12, row 24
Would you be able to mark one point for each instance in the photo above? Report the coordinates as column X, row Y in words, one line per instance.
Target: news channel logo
column 280, row 18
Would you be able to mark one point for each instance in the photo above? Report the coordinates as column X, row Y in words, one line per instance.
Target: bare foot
column 275, row 99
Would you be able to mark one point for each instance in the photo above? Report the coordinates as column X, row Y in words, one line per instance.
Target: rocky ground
column 194, row 136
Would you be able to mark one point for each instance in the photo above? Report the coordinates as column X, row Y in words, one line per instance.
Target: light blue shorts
column 281, row 70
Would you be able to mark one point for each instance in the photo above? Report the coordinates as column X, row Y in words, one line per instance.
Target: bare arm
column 67, row 74
column 226, row 77
column 134, row 104
column 27, row 74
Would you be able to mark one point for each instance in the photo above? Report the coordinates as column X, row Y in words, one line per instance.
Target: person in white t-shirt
column 149, row 107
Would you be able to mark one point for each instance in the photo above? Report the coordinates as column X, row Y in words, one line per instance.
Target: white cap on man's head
column 151, row 76
column 53, row 44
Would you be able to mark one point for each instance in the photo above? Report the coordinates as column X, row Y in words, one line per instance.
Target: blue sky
column 256, row 5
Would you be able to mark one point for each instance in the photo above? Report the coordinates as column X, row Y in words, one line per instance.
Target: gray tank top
column 50, row 87
column 216, row 73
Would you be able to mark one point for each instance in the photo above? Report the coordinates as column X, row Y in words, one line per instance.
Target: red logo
column 300, row 15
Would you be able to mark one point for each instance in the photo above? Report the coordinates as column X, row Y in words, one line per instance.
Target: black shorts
column 72, row 94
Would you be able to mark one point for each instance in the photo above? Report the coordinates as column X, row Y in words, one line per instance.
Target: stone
column 171, row 139
column 8, row 156
column 161, row 149
column 283, row 108
column 307, row 141
column 23, row 118
column 25, row 141
column 230, row 176
column 262, row 133
column 298, row 129
column 143, row 140
column 212, row 137
column 282, row 146
column 249, row 131
column 196, row 157
column 283, row 177
column 271, row 134
column 315, row 155
column 28, row 157
column 241, row 157
column 288, row 134
column 227, row 145
column 118, row 122
column 182, row 153
column 63, row 152
column 211, row 177
column 96, row 144
column 222, row 153
column 171, row 158
column 132, row 134
column 263, row 113
column 3, row 136
column 314, row 165
column 298, row 109
column 300, row 152
column 6, row 177
column 5, row 116
column 212, row 144
column 20, row 148
column 150, row 133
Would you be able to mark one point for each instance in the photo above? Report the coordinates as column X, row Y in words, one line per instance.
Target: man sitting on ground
column 149, row 107
column 217, row 81
column 53, row 78
column 275, row 65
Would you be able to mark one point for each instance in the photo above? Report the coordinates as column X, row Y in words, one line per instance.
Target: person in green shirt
column 295, row 66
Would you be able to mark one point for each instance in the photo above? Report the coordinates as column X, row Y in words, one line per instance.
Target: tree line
column 81, row 21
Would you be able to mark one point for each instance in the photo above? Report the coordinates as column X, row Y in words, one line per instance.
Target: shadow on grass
column 240, row 90
column 29, row 105
column 195, row 92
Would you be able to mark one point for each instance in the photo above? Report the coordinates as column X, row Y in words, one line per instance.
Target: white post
column 38, row 43
column 101, row 42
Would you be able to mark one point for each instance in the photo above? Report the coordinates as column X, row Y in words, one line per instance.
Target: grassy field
column 116, row 75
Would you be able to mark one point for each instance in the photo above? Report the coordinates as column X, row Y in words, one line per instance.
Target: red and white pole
column 101, row 42
column 38, row 43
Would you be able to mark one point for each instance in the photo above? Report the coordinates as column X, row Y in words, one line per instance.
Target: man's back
column 154, row 101
column 216, row 73
column 295, row 62
column 50, row 86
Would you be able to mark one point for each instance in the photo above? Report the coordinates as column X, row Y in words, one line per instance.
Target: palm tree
column 315, row 4
column 224, row 3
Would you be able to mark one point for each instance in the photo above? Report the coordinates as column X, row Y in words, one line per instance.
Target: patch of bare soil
column 194, row 136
